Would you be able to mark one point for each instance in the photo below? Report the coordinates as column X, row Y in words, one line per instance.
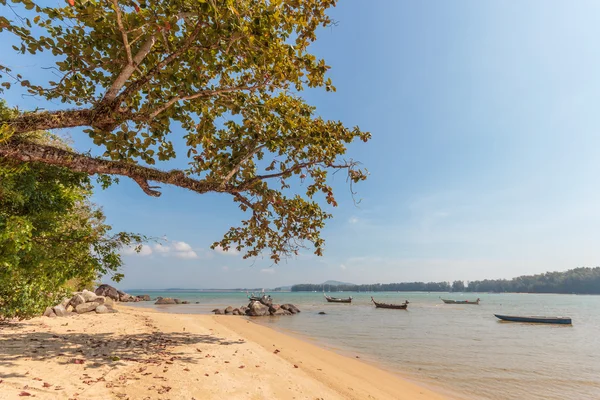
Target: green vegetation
column 141, row 77
column 52, row 239
column 578, row 280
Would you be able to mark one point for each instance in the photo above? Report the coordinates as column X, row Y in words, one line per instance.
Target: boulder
column 76, row 300
column 291, row 308
column 86, row 307
column 257, row 309
column 59, row 310
column 274, row 307
column 107, row 291
column 185, row 302
column 125, row 298
column 229, row 310
column 101, row 300
column 177, row 301
column 281, row 311
column 143, row 297
column 102, row 309
column 218, row 311
column 49, row 312
column 65, row 302
column 243, row 310
column 166, row 300
column 235, row 311
column 88, row 296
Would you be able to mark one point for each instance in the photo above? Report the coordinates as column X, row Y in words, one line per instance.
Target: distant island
column 575, row 281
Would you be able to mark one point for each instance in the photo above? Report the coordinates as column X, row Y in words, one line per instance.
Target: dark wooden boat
column 394, row 306
column 537, row 320
column 337, row 300
column 476, row 302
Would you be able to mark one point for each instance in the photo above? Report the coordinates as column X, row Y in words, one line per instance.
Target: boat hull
column 536, row 320
column 336, row 300
column 461, row 302
column 390, row 306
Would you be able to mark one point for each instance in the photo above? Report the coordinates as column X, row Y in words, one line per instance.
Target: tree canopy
column 222, row 76
column 50, row 234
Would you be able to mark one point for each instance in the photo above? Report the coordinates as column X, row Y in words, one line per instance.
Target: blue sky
column 484, row 158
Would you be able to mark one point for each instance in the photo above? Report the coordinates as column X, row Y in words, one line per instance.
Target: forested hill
column 578, row 280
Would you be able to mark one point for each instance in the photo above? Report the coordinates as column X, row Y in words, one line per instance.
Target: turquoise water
column 461, row 349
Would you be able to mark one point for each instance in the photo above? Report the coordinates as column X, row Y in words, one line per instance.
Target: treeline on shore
column 579, row 281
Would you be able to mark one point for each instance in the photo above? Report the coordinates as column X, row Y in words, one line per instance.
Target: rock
column 59, row 310
column 322, row 313
column 86, row 307
column 218, row 311
column 101, row 300
column 257, row 309
column 197, row 302
column 235, row 311
column 291, row 308
column 274, row 307
column 48, row 311
column 281, row 311
column 107, row 291
column 185, row 302
column 102, row 309
column 166, row 300
column 143, row 297
column 243, row 310
column 65, row 302
column 229, row 310
column 108, row 302
column 177, row 301
column 88, row 296
column 76, row 300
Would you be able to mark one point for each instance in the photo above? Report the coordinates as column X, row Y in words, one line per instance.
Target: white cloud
column 186, row 254
column 181, row 246
column 342, row 266
column 353, row 220
column 144, row 251
column 268, row 270
column 159, row 248
column 230, row 252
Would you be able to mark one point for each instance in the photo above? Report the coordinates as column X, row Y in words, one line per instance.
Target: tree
column 225, row 73
column 49, row 234
column 458, row 286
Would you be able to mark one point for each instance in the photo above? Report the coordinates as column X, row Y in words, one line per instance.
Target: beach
column 145, row 354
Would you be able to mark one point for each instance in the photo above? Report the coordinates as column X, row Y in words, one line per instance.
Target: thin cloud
column 132, row 251
column 159, row 248
column 230, row 252
column 186, row 254
column 181, row 246
column 342, row 267
column 353, row 220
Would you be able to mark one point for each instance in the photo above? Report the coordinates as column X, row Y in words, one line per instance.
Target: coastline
column 146, row 354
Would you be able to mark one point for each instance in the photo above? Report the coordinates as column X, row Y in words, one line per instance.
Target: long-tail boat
column 337, row 300
column 537, row 320
column 476, row 302
column 402, row 306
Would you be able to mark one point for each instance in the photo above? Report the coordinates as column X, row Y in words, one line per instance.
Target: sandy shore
column 142, row 354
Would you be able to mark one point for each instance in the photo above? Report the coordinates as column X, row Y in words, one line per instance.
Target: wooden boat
column 537, row 320
column 337, row 300
column 394, row 306
column 476, row 302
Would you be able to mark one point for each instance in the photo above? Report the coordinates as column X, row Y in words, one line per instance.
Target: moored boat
column 337, row 300
column 387, row 305
column 537, row 320
column 461, row 301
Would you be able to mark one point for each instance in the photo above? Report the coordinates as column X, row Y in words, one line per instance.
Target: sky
column 483, row 163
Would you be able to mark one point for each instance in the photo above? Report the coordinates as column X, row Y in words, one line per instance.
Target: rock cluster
column 118, row 295
column 168, row 300
column 81, row 302
column 259, row 308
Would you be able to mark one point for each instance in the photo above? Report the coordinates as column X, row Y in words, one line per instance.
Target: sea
column 463, row 351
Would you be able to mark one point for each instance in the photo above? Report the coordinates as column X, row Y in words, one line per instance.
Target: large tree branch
column 47, row 120
column 129, row 69
column 25, row 151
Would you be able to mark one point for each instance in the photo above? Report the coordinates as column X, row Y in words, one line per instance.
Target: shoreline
column 145, row 354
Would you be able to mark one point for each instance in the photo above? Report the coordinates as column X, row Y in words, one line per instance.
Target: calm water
column 463, row 350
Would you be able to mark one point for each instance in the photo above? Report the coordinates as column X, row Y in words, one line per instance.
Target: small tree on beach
column 223, row 76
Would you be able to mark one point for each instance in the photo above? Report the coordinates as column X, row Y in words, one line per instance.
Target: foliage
column 578, row 280
column 50, row 234
column 222, row 76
